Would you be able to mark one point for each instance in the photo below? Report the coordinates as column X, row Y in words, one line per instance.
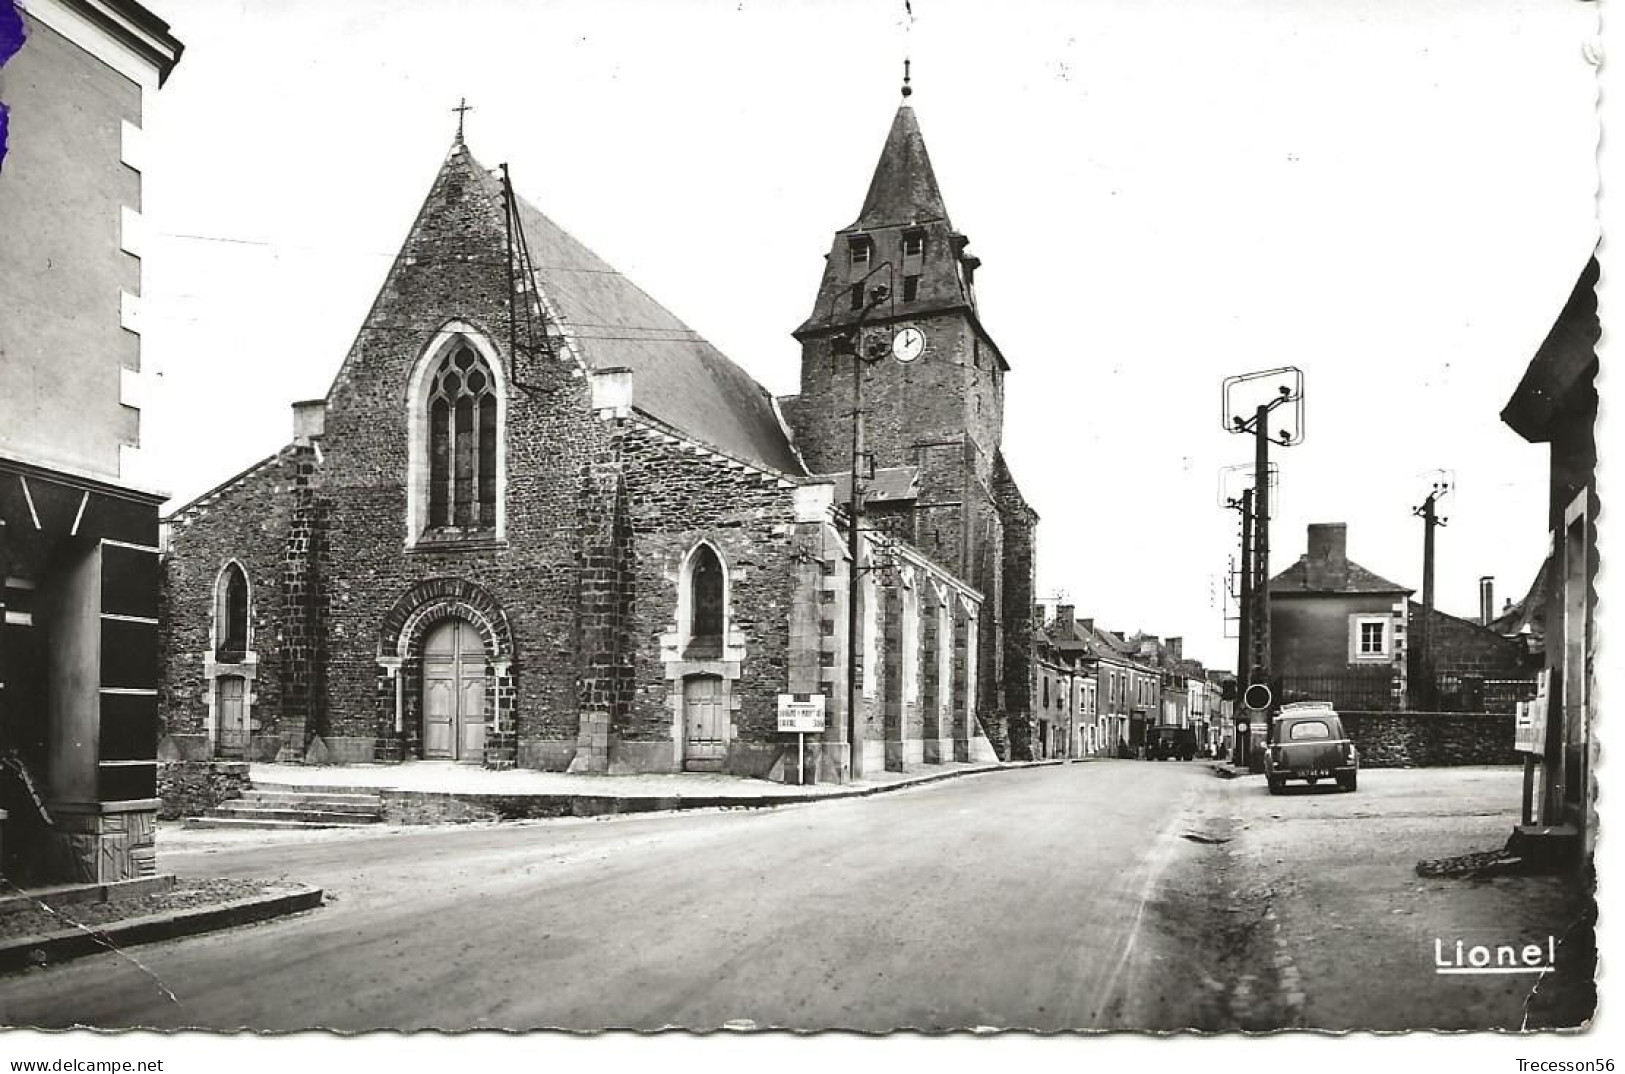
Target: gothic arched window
column 706, row 601
column 231, row 614
column 706, row 579
column 462, row 444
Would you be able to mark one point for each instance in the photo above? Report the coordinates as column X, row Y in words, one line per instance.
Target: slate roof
column 1353, row 579
column 904, row 187
column 678, row 378
column 1566, row 360
column 891, row 484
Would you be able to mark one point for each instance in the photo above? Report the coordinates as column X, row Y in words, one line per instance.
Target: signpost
column 1529, row 739
column 803, row 714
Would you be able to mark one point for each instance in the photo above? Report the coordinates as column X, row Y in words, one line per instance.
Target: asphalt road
column 1054, row 898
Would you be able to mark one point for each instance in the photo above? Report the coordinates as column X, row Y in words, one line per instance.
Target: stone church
column 538, row 521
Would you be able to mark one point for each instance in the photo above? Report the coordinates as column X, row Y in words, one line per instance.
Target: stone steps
column 278, row 807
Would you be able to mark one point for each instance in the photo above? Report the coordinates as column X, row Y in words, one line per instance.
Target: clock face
column 908, row 344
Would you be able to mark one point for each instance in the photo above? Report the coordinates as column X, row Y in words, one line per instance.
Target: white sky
column 1394, row 195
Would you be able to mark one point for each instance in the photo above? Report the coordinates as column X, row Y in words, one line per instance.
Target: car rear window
column 1308, row 729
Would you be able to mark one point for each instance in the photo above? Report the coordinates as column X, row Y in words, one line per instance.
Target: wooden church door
column 454, row 693
column 233, row 741
column 704, row 746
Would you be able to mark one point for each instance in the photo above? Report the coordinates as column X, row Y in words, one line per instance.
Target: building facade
column 78, row 515
column 1555, row 403
column 1339, row 632
column 538, row 521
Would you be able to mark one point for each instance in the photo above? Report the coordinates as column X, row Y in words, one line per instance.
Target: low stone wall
column 1430, row 739
column 190, row 788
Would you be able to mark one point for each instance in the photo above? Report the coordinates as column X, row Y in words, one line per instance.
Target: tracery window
column 462, row 414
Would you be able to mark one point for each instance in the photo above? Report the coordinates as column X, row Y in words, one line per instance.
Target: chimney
column 1038, row 616
column 309, row 420
column 1176, row 648
column 1064, row 618
column 1486, row 599
column 1328, row 562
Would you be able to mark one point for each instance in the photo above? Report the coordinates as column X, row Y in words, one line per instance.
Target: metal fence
column 1354, row 691
column 1386, row 692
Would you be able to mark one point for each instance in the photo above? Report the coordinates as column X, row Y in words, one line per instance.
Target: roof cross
column 462, row 107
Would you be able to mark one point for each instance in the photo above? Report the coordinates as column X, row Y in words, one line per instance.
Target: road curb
column 49, row 947
column 416, row 808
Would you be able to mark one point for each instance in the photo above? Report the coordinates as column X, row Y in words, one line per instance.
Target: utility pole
column 1425, row 694
column 850, row 342
column 1257, row 696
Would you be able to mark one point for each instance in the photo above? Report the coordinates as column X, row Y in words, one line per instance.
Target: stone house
column 538, row 521
column 1339, row 631
column 79, row 573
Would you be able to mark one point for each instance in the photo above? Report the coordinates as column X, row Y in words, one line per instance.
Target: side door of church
column 705, row 743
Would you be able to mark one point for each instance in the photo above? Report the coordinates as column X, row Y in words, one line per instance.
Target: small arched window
column 231, row 614
column 462, row 414
column 705, row 578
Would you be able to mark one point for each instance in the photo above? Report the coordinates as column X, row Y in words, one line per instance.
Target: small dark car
column 1307, row 742
column 1163, row 743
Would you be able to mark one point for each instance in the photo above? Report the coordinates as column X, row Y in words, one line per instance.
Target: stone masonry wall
column 247, row 520
column 453, row 266
column 677, row 495
column 1430, row 739
column 192, row 788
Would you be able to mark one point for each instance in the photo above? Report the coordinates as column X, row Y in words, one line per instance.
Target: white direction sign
column 801, row 713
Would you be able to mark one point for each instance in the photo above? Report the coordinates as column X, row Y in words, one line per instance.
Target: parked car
column 1307, row 742
column 1164, row 742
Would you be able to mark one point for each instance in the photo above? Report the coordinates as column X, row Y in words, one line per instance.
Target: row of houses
column 1099, row 690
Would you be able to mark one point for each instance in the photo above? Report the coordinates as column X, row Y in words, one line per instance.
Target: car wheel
column 1275, row 784
column 1349, row 783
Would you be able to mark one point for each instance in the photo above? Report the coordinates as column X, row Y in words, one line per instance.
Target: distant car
column 1307, row 742
column 1164, row 742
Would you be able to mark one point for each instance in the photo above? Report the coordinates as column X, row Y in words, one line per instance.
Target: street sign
column 1242, row 727
column 801, row 713
column 1258, row 696
column 1529, row 732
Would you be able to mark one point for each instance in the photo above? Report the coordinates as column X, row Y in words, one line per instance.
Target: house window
column 231, row 614
column 1369, row 637
column 462, row 444
column 911, row 288
column 857, row 297
column 914, row 245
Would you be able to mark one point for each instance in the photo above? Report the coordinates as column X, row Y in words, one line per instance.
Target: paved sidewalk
column 437, row 791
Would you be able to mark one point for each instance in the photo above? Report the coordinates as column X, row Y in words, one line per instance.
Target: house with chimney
column 1339, row 631
column 1345, row 634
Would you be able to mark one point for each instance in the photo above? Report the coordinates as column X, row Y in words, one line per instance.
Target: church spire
column 904, row 188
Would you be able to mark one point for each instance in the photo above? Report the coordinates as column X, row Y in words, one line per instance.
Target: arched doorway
column 454, row 673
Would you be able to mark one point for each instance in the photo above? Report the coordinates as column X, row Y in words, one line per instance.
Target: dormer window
column 911, row 288
column 913, row 245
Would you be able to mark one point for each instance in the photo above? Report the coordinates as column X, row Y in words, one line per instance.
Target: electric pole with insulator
column 1267, row 391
